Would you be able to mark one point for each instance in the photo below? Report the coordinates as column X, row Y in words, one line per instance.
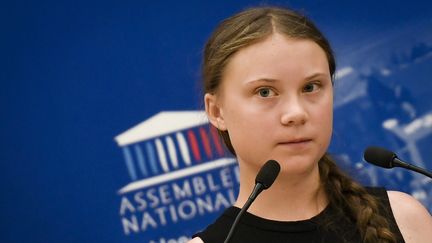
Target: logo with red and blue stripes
column 168, row 146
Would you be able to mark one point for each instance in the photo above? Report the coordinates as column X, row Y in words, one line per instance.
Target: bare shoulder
column 414, row 221
column 196, row 240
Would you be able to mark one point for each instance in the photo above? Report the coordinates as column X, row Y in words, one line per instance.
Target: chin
column 298, row 167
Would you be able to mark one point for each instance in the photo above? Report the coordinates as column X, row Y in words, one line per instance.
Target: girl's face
column 276, row 102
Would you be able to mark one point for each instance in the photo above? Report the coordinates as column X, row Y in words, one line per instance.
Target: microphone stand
column 257, row 190
column 264, row 179
column 399, row 163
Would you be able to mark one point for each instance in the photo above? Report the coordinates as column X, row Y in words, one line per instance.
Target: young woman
column 268, row 80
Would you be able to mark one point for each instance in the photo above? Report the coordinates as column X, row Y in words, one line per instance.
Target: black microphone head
column 268, row 173
column 379, row 156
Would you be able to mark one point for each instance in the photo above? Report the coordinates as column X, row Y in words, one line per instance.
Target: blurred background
column 103, row 138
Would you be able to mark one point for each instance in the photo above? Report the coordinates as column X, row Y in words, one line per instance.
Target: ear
column 214, row 111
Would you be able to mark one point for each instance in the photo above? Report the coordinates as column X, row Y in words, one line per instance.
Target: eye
column 311, row 87
column 265, row 92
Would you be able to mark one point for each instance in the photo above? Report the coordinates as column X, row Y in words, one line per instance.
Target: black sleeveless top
column 253, row 229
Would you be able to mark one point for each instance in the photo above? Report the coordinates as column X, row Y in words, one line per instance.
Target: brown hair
column 254, row 25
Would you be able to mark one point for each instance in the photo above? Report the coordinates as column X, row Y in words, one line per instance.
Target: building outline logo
column 178, row 167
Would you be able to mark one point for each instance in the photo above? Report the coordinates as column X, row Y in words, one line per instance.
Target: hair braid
column 355, row 202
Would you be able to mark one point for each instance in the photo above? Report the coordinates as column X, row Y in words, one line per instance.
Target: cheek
column 239, row 114
column 324, row 109
column 324, row 122
column 327, row 116
column 243, row 126
column 247, row 128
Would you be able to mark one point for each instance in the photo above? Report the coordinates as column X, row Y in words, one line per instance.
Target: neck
column 290, row 198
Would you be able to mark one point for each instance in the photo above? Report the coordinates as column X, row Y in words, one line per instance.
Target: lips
column 297, row 145
column 296, row 141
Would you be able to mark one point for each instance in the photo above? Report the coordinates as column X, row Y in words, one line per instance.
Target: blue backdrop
column 84, row 83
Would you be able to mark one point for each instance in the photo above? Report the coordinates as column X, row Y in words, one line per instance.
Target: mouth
column 297, row 141
column 297, row 144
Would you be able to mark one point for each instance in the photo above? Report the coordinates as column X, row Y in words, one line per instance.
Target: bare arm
column 413, row 220
column 196, row 240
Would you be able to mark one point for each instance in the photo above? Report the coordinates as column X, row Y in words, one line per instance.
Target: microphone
column 264, row 179
column 388, row 159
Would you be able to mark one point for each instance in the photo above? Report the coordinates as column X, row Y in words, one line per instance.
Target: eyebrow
column 261, row 80
column 315, row 75
column 270, row 80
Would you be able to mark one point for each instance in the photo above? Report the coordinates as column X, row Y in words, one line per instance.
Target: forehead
column 276, row 57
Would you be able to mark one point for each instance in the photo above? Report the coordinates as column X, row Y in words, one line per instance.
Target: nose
column 293, row 113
